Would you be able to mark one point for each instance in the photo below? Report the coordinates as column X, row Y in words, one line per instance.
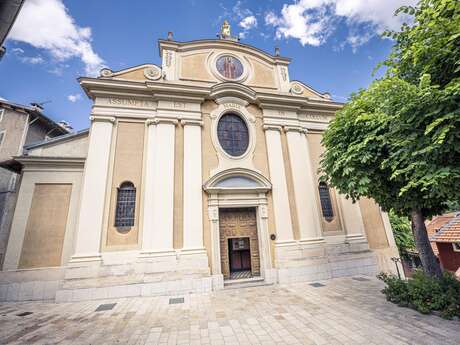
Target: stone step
column 245, row 283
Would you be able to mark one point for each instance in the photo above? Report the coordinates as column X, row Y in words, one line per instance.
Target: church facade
column 193, row 175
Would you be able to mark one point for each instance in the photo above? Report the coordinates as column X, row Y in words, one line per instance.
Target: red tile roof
column 434, row 225
column 449, row 231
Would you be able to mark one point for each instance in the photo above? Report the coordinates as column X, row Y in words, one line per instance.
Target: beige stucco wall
column 310, row 94
column 316, row 149
column 373, row 224
column 76, row 147
column 178, row 233
column 136, row 74
column 263, row 75
column 260, row 160
column 127, row 166
column 193, row 67
column 45, row 230
column 209, row 162
column 55, row 176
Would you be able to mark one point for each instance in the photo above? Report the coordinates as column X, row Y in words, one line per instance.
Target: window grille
column 325, row 199
column 126, row 205
column 233, row 134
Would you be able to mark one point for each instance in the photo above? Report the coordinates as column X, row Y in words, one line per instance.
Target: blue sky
column 334, row 44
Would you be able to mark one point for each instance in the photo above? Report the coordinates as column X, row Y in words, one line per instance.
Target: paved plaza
column 338, row 311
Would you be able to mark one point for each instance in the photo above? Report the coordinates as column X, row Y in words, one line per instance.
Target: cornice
column 46, row 161
column 220, row 43
column 229, row 89
column 159, row 90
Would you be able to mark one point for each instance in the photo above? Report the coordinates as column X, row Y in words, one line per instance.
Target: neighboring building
column 19, row 126
column 9, row 10
column 192, row 175
column 447, row 240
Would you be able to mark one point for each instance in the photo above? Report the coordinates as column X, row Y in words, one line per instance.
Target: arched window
column 325, row 199
column 233, row 134
column 126, row 205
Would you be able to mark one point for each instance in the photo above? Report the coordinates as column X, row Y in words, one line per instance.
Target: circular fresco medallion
column 229, row 67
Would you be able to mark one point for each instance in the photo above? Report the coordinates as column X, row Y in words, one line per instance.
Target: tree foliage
column 431, row 45
column 398, row 142
column 403, row 234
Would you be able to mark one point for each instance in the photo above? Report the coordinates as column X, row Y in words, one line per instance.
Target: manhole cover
column 360, row 279
column 104, row 307
column 317, row 285
column 24, row 313
column 176, row 300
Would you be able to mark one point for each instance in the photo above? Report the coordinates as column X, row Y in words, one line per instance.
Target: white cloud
column 248, row 22
column 74, row 98
column 312, row 21
column 47, row 24
column 243, row 16
column 33, row 60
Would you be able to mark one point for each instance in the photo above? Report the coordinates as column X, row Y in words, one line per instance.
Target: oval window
column 233, row 134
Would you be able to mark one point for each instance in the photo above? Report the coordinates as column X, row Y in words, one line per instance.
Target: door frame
column 253, row 196
column 259, row 203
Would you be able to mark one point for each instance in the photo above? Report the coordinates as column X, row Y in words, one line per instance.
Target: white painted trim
column 2, row 137
column 456, row 246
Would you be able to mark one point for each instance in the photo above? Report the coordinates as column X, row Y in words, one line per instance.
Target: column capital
column 272, row 128
column 159, row 120
column 293, row 129
column 190, row 122
column 98, row 118
column 213, row 213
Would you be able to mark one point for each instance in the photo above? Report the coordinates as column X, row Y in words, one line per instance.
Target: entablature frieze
column 181, row 100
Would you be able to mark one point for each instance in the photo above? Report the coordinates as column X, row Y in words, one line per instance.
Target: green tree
column 398, row 142
column 403, row 234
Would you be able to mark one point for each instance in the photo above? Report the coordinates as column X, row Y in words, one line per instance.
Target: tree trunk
column 430, row 264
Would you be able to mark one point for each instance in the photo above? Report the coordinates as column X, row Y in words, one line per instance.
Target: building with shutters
column 193, row 175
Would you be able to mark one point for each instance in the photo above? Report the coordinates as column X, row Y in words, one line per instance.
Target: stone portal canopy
column 237, row 180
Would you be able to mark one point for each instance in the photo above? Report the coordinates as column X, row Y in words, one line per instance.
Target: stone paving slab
column 343, row 311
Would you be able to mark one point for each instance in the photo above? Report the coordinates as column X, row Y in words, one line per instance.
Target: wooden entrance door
column 239, row 244
column 240, row 254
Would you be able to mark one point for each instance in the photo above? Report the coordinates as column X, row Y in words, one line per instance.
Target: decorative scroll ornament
column 152, row 73
column 296, row 88
column 106, row 72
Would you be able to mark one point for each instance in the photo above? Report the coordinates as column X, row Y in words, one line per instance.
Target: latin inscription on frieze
column 317, row 117
column 232, row 106
column 129, row 102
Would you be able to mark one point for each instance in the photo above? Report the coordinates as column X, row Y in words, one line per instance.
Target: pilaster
column 158, row 205
column 304, row 187
column 283, row 219
column 352, row 220
column 94, row 190
column 192, row 203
